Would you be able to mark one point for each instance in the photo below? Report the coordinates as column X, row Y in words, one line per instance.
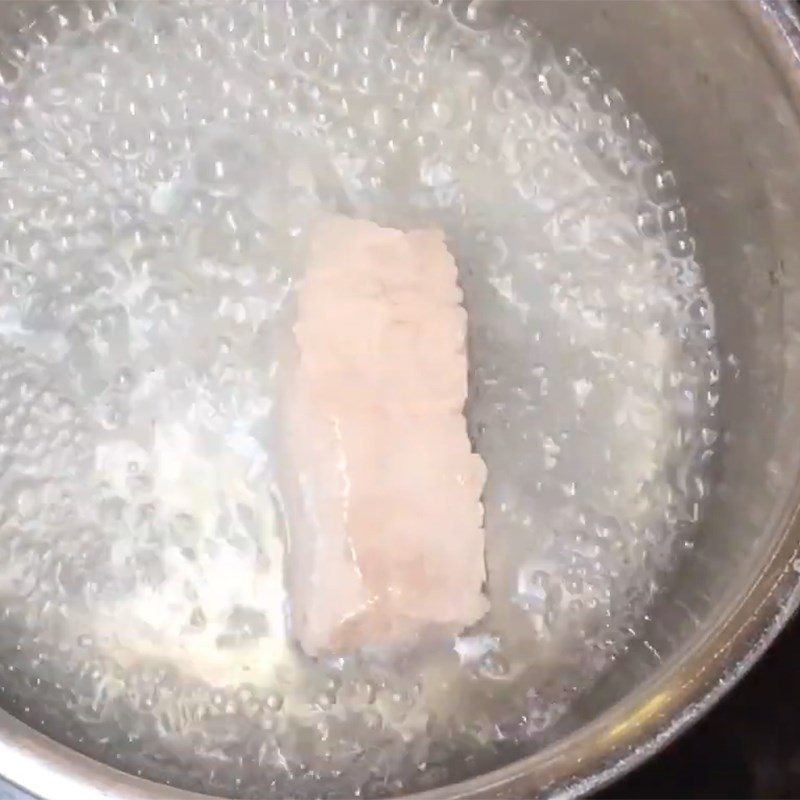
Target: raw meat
column 382, row 490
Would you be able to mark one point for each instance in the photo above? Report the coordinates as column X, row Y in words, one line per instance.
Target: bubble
column 274, row 701
column 472, row 13
column 659, row 183
column 226, row 165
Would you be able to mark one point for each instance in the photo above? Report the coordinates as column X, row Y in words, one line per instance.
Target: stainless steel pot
column 719, row 85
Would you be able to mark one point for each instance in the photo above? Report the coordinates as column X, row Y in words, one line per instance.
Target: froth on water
column 160, row 168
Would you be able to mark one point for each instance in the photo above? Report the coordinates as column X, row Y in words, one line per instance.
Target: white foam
column 149, row 245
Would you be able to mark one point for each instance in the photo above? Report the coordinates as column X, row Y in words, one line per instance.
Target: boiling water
column 160, row 167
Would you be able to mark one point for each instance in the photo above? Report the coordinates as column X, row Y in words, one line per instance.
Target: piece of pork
column 382, row 489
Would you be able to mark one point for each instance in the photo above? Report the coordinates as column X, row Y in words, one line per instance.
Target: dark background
column 748, row 746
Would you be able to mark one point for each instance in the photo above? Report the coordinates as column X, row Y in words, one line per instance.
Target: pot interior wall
column 723, row 111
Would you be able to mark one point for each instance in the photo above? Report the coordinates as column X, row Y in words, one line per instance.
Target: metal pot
column 719, row 85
